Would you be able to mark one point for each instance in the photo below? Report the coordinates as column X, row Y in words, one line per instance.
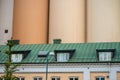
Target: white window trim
column 63, row 57
column 105, row 56
column 17, row 57
column 20, row 78
column 74, row 77
column 37, row 77
column 100, row 77
column 56, row 78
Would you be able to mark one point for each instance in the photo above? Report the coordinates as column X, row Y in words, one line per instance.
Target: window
column 55, row 78
column 21, row 78
column 37, row 78
column 100, row 78
column 105, row 56
column 17, row 57
column 73, row 78
column 63, row 57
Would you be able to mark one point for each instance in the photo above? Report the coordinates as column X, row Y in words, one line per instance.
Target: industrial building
column 73, row 21
column 89, row 30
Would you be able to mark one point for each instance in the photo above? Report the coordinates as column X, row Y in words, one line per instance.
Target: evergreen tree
column 9, row 67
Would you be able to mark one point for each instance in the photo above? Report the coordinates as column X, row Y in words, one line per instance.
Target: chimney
column 57, row 41
column 15, row 41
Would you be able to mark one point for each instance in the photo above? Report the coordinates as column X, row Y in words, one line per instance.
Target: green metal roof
column 85, row 52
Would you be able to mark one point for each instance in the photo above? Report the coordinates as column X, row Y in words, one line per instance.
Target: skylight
column 42, row 53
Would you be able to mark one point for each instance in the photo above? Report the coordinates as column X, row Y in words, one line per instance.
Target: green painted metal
column 85, row 52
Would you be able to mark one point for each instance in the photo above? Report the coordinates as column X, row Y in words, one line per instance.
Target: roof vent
column 57, row 41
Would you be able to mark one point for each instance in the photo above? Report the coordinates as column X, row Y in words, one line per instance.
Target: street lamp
column 45, row 54
column 47, row 66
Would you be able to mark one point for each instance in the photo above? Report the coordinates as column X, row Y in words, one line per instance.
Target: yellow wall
column 30, row 21
column 93, row 75
column 63, row 76
column 118, row 76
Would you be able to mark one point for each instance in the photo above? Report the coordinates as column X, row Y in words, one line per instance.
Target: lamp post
column 47, row 66
column 45, row 54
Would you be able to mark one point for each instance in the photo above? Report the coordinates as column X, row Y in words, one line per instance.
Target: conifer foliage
column 9, row 67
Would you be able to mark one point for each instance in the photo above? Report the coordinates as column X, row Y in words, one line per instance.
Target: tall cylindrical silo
column 103, row 20
column 6, row 20
column 30, row 21
column 67, row 21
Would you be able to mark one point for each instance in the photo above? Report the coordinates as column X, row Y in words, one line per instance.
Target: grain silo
column 103, row 20
column 67, row 21
column 30, row 21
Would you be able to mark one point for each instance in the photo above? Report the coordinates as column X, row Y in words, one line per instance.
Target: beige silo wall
column 67, row 20
column 103, row 20
column 30, row 21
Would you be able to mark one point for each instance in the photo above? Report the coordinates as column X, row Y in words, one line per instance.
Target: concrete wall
column 6, row 20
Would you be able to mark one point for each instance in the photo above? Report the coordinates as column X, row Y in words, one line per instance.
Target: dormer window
column 18, row 56
column 63, row 55
column 105, row 54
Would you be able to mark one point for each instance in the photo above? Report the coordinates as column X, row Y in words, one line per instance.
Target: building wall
column 63, row 76
column 85, row 71
column 93, row 75
column 30, row 21
column 118, row 75
column 67, row 21
column 6, row 20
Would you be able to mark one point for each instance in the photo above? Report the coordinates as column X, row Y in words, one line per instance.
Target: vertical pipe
column 47, row 67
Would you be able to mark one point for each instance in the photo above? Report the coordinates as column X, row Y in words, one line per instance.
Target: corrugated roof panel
column 85, row 52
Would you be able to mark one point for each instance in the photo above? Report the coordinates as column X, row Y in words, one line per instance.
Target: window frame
column 63, row 57
column 24, row 54
column 20, row 78
column 100, row 77
column 105, row 51
column 105, row 56
column 71, row 52
column 74, row 77
column 37, row 77
column 17, row 57
column 56, row 77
